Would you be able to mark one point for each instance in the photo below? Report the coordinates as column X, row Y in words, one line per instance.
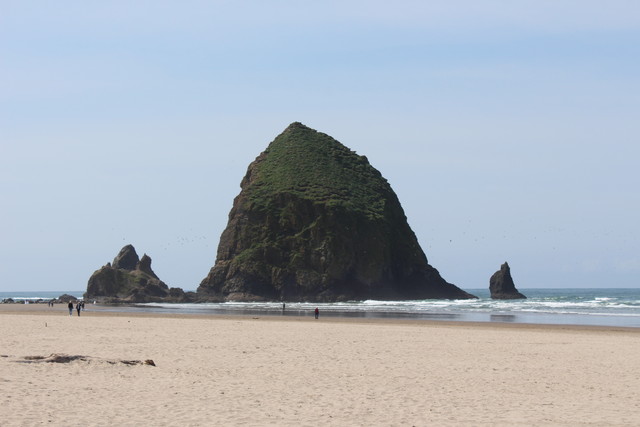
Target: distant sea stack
column 501, row 284
column 131, row 279
column 314, row 221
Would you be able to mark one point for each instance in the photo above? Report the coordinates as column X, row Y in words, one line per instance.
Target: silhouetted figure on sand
column 317, row 312
column 70, row 305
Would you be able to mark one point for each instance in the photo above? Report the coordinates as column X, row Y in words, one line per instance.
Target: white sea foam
column 619, row 307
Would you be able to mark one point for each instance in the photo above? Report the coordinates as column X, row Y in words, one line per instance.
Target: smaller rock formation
column 127, row 259
column 66, row 298
column 131, row 280
column 501, row 284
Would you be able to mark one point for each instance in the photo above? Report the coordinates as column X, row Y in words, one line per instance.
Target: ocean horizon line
column 534, row 288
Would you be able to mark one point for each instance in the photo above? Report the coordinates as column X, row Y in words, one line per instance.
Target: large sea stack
column 314, row 221
column 131, row 279
column 501, row 284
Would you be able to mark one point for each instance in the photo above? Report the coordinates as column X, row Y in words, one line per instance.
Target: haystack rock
column 501, row 284
column 130, row 279
column 314, row 221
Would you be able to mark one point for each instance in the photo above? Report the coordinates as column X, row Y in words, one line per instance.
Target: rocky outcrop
column 501, row 284
column 66, row 298
column 314, row 221
column 130, row 279
column 144, row 265
column 127, row 259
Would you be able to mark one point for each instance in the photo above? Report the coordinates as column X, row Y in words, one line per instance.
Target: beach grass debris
column 66, row 358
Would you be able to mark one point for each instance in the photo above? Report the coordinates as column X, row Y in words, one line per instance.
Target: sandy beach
column 298, row 371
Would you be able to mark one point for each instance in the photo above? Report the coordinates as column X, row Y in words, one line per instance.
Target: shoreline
column 106, row 311
column 609, row 307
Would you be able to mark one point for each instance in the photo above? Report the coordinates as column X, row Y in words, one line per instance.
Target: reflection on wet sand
column 380, row 310
column 503, row 318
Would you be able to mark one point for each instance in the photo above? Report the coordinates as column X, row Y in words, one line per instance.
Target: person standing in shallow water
column 70, row 308
column 317, row 312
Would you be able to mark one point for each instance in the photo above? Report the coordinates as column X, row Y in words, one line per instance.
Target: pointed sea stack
column 314, row 221
column 130, row 279
column 501, row 284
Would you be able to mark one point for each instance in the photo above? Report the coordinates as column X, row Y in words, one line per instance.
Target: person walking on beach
column 317, row 312
column 78, row 307
column 70, row 308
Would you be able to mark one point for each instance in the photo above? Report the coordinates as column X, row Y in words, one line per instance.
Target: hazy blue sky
column 509, row 129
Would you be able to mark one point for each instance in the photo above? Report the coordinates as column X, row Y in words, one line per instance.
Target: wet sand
column 270, row 370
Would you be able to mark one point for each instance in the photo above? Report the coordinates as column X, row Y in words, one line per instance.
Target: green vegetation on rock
column 312, row 165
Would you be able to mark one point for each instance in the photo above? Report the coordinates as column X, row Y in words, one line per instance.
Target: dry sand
column 285, row 371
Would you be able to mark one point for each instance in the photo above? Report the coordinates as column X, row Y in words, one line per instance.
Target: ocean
column 568, row 306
